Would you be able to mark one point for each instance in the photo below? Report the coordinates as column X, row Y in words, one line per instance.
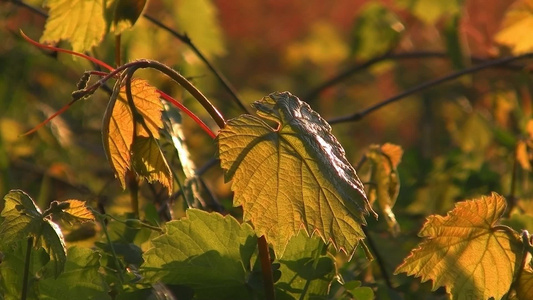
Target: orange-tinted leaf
column 76, row 212
column 149, row 162
column 465, row 251
column 516, row 27
column 522, row 155
column 119, row 129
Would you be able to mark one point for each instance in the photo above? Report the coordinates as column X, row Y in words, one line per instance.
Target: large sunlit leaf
column 80, row 280
column 81, row 22
column 195, row 247
column 119, row 129
column 466, row 251
column 292, row 177
column 385, row 183
column 23, row 219
column 306, row 269
column 516, row 27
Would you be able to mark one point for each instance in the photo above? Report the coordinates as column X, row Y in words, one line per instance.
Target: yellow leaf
column 119, row 129
column 516, row 27
column 466, row 251
column 292, row 177
column 384, row 177
column 76, row 212
column 81, row 22
column 149, row 162
column 524, row 289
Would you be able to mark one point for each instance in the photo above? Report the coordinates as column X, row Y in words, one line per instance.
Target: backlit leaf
column 466, row 252
column 193, row 248
column 81, row 278
column 76, row 212
column 126, row 13
column 516, row 27
column 81, row 22
column 23, row 219
column 275, row 170
column 119, row 129
column 524, row 289
column 149, row 162
column 385, row 183
column 305, row 270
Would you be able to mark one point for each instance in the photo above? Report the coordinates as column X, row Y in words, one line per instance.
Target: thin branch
column 489, row 64
column 186, row 40
column 315, row 92
column 379, row 259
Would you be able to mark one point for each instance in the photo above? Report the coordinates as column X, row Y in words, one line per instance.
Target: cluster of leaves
column 289, row 174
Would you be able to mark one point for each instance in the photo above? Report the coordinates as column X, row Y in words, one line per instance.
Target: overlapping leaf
column 193, row 248
column 120, row 130
column 79, row 21
column 466, row 252
column 23, row 219
column 385, row 183
column 292, row 177
column 126, row 13
column 76, row 211
column 516, row 27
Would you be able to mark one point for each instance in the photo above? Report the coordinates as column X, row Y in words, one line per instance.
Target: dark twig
column 489, row 64
column 186, row 40
column 387, row 56
column 379, row 258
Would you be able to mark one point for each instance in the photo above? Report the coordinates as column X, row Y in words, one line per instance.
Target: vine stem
column 27, row 263
column 266, row 268
column 493, row 63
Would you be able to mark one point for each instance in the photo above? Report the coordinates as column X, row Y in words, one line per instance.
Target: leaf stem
column 379, row 258
column 493, row 63
column 266, row 268
column 113, row 252
column 27, row 263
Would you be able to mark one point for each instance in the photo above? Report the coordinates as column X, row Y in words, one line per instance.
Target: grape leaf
column 194, row 246
column 79, row 21
column 516, row 27
column 80, row 280
column 75, row 212
column 274, row 170
column 305, row 270
column 466, row 251
column 524, row 289
column 119, row 129
column 22, row 219
column 149, row 162
column 386, row 186
column 126, row 13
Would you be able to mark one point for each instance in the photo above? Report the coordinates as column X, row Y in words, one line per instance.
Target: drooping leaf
column 119, row 129
column 80, row 280
column 149, row 163
column 76, row 212
column 385, row 183
column 516, row 27
column 126, row 13
column 194, row 247
column 305, row 270
column 292, row 177
column 466, row 251
column 23, row 219
column 79, row 21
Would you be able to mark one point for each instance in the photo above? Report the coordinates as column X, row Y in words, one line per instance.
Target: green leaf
column 385, row 183
column 126, row 13
column 198, row 20
column 81, row 22
column 23, row 219
column 516, row 27
column 120, row 130
column 305, row 270
column 274, row 170
column 466, row 251
column 359, row 292
column 430, row 11
column 375, row 31
column 80, row 280
column 149, row 163
column 193, row 248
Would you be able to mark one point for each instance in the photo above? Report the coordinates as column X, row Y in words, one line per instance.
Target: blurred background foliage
column 460, row 137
